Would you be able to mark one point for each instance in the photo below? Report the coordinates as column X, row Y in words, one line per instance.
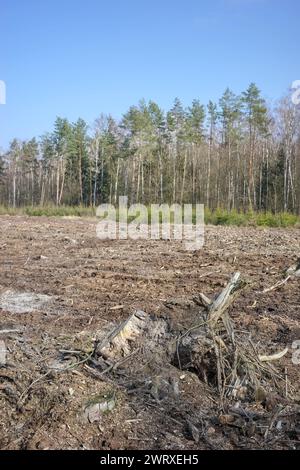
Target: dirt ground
column 60, row 285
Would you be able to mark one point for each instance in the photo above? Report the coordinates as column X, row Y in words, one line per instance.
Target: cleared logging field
column 62, row 289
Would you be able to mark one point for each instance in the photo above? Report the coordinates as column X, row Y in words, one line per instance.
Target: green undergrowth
column 215, row 217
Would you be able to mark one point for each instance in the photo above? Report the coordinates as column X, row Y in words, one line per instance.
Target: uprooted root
column 223, row 357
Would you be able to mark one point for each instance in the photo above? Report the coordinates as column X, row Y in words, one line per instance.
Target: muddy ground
column 60, row 286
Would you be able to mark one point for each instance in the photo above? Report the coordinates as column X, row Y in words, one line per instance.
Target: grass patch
column 250, row 218
column 216, row 217
column 49, row 211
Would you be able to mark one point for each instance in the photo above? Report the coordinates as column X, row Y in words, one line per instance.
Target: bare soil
column 92, row 285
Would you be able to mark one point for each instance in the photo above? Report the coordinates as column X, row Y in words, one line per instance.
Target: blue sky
column 82, row 57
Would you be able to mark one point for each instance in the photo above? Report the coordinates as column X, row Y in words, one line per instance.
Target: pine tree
column 255, row 112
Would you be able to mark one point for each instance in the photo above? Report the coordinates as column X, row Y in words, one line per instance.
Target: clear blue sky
column 82, row 57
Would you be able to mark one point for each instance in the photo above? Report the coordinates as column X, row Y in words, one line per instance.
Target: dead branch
column 223, row 301
column 273, row 357
column 4, row 332
column 277, row 285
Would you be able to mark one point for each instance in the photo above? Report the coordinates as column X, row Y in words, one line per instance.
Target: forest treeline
column 235, row 154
